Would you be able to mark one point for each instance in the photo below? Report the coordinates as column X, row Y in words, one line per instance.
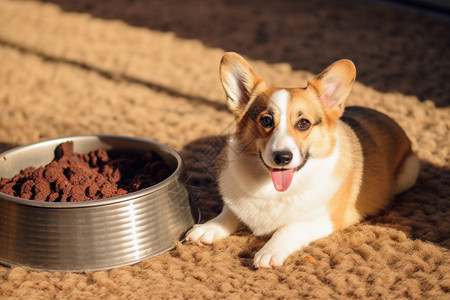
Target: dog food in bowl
column 100, row 234
column 75, row 177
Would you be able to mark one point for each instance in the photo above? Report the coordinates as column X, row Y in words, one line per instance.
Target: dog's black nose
column 282, row 158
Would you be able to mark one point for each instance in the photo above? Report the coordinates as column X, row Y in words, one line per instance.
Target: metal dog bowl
column 97, row 234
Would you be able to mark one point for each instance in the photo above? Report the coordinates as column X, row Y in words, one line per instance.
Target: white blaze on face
column 281, row 141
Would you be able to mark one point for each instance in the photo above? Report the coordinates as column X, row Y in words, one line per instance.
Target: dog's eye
column 303, row 124
column 266, row 121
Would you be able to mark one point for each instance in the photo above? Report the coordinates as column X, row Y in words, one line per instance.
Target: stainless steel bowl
column 92, row 235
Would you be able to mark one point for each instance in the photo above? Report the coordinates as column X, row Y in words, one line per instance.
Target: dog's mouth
column 282, row 178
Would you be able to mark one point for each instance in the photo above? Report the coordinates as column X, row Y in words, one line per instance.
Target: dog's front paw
column 206, row 233
column 270, row 256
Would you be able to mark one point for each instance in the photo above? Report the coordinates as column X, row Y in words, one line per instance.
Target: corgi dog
column 298, row 167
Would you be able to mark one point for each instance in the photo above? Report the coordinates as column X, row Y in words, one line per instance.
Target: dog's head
column 285, row 127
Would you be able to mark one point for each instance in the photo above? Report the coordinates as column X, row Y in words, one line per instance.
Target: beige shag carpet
column 150, row 69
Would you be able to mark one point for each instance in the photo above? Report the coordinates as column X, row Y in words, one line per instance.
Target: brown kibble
column 107, row 172
column 77, row 190
column 115, row 176
column 65, row 149
column 62, row 184
column 27, row 196
column 53, row 172
column 42, row 188
column 78, row 198
column 7, row 187
column 27, row 187
column 73, row 177
column 99, row 179
column 102, row 155
column 40, row 197
column 92, row 190
column 107, row 189
column 78, row 194
column 38, row 174
column 53, row 197
column 77, row 175
column 93, row 161
column 28, row 172
column 121, row 192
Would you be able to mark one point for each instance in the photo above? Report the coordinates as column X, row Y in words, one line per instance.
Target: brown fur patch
column 340, row 204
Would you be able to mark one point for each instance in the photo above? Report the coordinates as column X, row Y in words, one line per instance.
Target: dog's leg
column 290, row 238
column 218, row 228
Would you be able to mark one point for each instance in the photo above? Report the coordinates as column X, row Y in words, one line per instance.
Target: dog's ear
column 334, row 85
column 239, row 81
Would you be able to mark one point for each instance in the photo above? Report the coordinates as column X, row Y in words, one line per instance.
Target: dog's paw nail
column 271, row 262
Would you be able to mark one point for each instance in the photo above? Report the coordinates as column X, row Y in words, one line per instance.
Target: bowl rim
column 98, row 202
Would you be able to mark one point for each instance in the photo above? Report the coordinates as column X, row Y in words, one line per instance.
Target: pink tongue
column 282, row 178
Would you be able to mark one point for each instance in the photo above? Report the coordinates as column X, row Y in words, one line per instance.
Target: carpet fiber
column 147, row 69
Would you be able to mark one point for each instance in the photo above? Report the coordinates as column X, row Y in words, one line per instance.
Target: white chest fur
column 250, row 194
